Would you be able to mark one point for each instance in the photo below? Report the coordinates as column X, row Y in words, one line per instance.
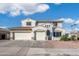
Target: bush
column 64, row 38
column 73, row 37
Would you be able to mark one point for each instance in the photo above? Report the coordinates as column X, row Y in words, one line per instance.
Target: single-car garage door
column 22, row 36
column 40, row 35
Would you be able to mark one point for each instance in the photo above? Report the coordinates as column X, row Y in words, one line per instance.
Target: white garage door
column 40, row 35
column 23, row 36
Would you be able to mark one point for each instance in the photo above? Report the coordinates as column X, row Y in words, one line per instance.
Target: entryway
column 48, row 35
column 3, row 36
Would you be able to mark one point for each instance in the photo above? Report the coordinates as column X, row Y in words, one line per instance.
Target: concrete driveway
column 33, row 48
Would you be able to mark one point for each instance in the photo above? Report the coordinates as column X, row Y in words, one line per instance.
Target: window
column 28, row 23
column 56, row 34
column 47, row 26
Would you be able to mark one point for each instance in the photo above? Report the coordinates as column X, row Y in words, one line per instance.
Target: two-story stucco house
column 37, row 30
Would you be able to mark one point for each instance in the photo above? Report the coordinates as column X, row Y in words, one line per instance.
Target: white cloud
column 57, row 3
column 70, row 21
column 2, row 27
column 42, row 7
column 4, row 8
column 35, row 8
column 76, row 28
column 77, row 22
column 27, row 9
column 14, row 10
column 61, row 19
column 67, row 20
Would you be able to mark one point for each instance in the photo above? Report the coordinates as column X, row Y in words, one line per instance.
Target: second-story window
column 47, row 26
column 28, row 23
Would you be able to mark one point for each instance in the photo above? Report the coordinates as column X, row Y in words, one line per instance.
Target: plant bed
column 62, row 44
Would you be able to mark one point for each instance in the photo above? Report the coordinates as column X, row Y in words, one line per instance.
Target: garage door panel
column 23, row 36
column 40, row 35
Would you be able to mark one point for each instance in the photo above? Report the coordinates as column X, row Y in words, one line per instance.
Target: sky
column 11, row 14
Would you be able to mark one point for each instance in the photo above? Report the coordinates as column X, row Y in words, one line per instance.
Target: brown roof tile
column 4, row 30
column 50, row 21
column 21, row 28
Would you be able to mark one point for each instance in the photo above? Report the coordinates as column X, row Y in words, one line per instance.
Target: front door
column 48, row 35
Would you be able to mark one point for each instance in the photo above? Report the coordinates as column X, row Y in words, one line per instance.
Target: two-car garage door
column 22, row 36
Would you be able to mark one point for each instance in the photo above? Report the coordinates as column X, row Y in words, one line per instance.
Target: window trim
column 56, row 34
column 28, row 23
column 47, row 26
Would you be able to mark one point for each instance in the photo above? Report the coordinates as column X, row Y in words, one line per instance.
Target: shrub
column 73, row 37
column 64, row 38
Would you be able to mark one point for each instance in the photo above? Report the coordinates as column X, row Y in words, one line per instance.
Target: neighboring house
column 37, row 30
column 74, row 33
column 4, row 34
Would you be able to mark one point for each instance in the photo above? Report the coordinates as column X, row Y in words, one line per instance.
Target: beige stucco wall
column 63, row 31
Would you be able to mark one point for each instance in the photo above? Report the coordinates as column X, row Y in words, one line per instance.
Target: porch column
column 11, row 36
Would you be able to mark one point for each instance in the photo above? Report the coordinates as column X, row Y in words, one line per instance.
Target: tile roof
column 21, row 28
column 4, row 30
column 50, row 21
